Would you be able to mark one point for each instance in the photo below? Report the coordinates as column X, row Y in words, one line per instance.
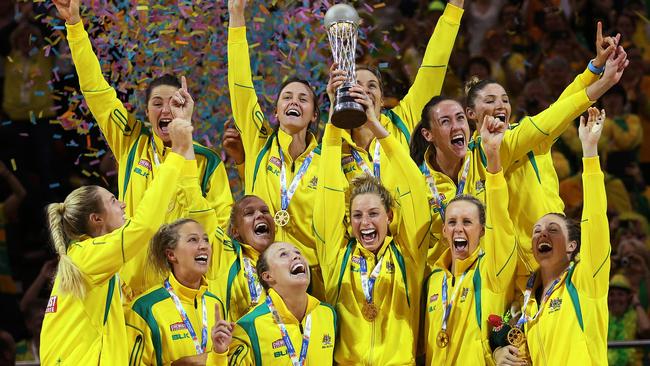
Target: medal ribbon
column 446, row 306
column 254, row 287
column 156, row 159
column 285, row 335
column 368, row 283
column 434, row 189
column 286, row 195
column 376, row 162
column 529, row 290
column 200, row 348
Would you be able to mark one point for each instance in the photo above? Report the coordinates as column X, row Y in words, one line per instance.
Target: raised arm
column 538, row 133
column 431, row 74
column 592, row 273
column 246, row 111
column 499, row 242
column 101, row 257
column 117, row 125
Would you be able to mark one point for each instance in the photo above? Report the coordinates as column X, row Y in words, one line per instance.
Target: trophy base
column 348, row 113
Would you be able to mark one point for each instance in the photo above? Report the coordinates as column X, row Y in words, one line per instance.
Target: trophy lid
column 341, row 13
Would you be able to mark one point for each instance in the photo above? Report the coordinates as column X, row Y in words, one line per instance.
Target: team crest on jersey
column 463, row 294
column 52, row 304
column 327, row 341
column 554, row 305
column 277, row 344
column 480, row 185
column 145, row 163
column 177, row 326
column 433, row 298
column 275, row 161
column 390, row 267
column 313, row 182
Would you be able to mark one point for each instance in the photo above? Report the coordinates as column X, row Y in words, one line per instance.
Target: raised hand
column 605, row 46
column 337, row 78
column 221, row 332
column 236, row 10
column 180, row 132
column 614, row 67
column 590, row 130
column 232, row 143
column 68, row 10
column 182, row 104
column 492, row 132
column 372, row 120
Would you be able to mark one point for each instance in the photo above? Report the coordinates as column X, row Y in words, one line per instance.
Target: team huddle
column 396, row 243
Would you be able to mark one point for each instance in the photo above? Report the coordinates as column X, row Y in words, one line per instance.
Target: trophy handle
column 348, row 113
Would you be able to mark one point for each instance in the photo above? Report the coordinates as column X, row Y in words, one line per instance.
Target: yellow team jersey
column 91, row 331
column 530, row 136
column 131, row 142
column 578, row 304
column 155, row 330
column 391, row 338
column 263, row 161
column 483, row 284
column 257, row 340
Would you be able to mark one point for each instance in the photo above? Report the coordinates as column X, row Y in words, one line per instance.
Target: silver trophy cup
column 342, row 22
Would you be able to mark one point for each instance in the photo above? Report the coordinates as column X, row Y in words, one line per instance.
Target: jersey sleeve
column 249, row 118
column 138, row 336
column 118, row 126
column 499, row 242
column 101, row 257
column 431, row 74
column 592, row 270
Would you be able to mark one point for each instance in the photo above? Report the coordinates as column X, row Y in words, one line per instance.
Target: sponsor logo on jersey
column 177, row 326
column 52, row 304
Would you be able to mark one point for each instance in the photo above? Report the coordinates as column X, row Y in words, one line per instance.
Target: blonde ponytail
column 69, row 221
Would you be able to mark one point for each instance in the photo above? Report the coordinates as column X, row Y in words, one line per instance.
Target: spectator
column 28, row 349
column 7, row 349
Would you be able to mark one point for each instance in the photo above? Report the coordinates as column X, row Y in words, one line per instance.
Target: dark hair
column 166, row 79
column 418, row 145
column 573, row 227
column 473, row 87
column 478, row 60
column 294, row 79
column 471, row 199
column 263, row 265
column 375, row 71
column 234, row 212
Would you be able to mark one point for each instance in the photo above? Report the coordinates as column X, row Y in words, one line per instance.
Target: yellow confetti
column 86, row 173
column 380, row 5
column 10, row 59
column 178, row 41
column 259, row 20
column 13, row 165
column 142, row 7
column 254, row 45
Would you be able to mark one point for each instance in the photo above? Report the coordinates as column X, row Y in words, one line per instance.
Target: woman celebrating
column 373, row 279
column 170, row 322
column 468, row 283
column 289, row 328
column 139, row 150
column 362, row 152
column 84, row 320
column 281, row 165
column 568, row 293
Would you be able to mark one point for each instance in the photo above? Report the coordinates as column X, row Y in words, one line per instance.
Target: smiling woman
column 169, row 323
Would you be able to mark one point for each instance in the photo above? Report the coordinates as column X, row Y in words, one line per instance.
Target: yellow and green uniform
column 263, row 161
column 486, row 278
column 530, row 136
column 256, row 339
column 131, row 143
column 91, row 330
column 155, row 330
column 399, row 282
column 578, row 304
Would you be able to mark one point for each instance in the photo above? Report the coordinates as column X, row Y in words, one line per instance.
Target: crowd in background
column 533, row 48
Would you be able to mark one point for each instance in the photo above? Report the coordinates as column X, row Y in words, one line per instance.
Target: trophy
column 341, row 22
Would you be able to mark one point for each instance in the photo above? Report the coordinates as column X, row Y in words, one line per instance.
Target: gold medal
column 442, row 340
column 281, row 218
column 516, row 337
column 370, row 311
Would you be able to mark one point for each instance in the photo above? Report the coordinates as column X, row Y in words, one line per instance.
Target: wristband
column 594, row 69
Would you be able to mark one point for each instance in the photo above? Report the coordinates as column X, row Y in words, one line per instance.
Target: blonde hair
column 166, row 237
column 366, row 183
column 68, row 221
